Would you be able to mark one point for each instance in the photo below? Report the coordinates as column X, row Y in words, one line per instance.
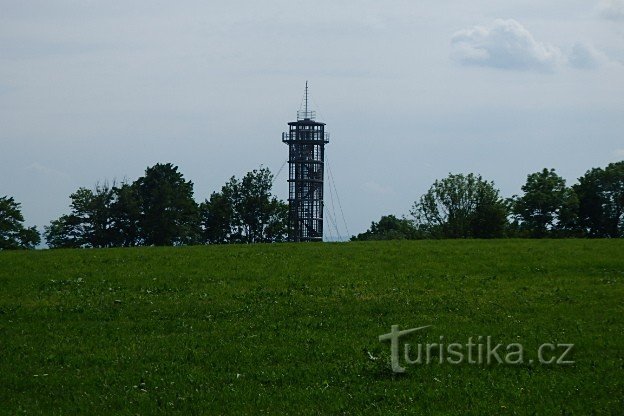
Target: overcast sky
column 410, row 91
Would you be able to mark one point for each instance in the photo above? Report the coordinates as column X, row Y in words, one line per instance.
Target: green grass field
column 285, row 328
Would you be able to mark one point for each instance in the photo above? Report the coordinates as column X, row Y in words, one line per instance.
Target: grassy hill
column 285, row 328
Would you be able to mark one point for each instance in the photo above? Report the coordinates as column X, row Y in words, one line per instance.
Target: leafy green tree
column 547, row 207
column 390, row 227
column 276, row 229
column 126, row 216
column 13, row 234
column 169, row 214
column 156, row 209
column 95, row 210
column 257, row 211
column 65, row 232
column 601, row 201
column 90, row 223
column 245, row 211
column 217, row 217
column 490, row 216
column 461, row 206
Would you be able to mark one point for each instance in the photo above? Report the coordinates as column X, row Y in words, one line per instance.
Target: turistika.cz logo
column 478, row 350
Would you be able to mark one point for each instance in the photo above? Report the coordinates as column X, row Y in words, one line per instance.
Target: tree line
column 468, row 206
column 159, row 209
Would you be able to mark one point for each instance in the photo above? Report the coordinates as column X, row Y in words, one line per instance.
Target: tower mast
column 306, row 99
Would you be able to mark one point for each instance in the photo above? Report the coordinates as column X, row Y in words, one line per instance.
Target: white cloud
column 612, row 9
column 45, row 171
column 585, row 56
column 504, row 44
column 619, row 153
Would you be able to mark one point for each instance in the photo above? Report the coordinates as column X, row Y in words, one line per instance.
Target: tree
column 217, row 217
column 156, row 209
column 13, row 234
column 90, row 223
column 245, row 211
column 126, row 216
column 257, row 211
column 94, row 209
column 547, row 206
column 489, row 219
column 601, row 201
column 461, row 206
column 390, row 227
column 65, row 232
column 276, row 229
column 169, row 214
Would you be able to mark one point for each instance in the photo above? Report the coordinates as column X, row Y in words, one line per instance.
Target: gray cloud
column 585, row 56
column 612, row 9
column 504, row 44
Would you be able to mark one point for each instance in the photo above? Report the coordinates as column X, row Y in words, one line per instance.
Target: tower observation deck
column 306, row 140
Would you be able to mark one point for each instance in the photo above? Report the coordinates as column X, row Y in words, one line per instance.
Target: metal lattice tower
column 306, row 141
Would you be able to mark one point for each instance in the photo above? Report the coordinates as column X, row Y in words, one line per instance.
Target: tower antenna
column 306, row 99
column 304, row 112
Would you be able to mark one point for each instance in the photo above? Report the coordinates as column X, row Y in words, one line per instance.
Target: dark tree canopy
column 461, row 206
column 547, row 207
column 217, row 217
column 65, row 232
column 601, row 201
column 390, row 227
column 93, row 209
column 169, row 214
column 13, row 234
column 245, row 211
column 126, row 215
column 91, row 222
column 157, row 209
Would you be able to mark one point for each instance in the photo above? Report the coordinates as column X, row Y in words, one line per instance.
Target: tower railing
column 286, row 137
column 306, row 115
